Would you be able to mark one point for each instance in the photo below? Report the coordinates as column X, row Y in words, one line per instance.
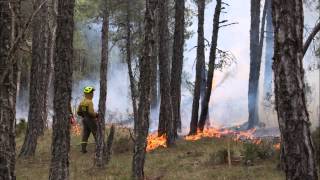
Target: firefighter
column 89, row 117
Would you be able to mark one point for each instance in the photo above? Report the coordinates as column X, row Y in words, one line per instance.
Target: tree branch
column 311, row 36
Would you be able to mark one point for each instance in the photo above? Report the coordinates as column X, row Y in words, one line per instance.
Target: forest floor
column 188, row 160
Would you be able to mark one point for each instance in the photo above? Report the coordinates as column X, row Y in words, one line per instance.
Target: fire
column 218, row 133
column 76, row 129
column 277, row 146
column 154, row 141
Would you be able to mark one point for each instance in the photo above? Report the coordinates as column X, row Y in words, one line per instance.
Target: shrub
column 220, row 157
column 21, row 127
column 122, row 145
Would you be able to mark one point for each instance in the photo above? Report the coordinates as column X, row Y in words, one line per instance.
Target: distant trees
column 8, row 78
column 200, row 65
column 293, row 116
column 142, row 123
column 37, row 116
column 59, row 167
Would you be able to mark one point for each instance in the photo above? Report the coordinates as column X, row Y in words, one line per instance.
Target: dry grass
column 186, row 161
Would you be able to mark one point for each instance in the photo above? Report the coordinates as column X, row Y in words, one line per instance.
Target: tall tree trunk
column 59, row 167
column 199, row 69
column 293, row 117
column 254, row 64
column 269, row 53
column 142, row 123
column 177, row 63
column 38, row 93
column 212, row 60
column 165, row 115
column 100, row 145
column 128, row 59
column 7, row 92
column 154, row 65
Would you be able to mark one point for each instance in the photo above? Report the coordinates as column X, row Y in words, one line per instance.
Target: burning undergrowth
column 254, row 136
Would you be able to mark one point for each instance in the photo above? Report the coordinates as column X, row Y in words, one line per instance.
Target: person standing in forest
column 86, row 111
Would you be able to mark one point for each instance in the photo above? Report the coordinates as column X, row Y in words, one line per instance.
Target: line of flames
column 154, row 141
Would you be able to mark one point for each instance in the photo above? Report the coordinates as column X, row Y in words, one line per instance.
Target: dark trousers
column 89, row 126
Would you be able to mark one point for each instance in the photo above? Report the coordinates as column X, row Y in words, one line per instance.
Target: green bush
column 220, row 157
column 250, row 152
column 21, row 127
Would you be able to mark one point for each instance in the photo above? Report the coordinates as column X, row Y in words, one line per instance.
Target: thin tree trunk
column 269, row 53
column 254, row 64
column 38, row 93
column 199, row 69
column 142, row 123
column 128, row 59
column 212, row 59
column 293, row 116
column 59, row 167
column 7, row 93
column 100, row 145
column 311, row 36
column 177, row 63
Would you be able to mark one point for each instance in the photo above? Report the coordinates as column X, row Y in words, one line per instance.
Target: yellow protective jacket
column 86, row 108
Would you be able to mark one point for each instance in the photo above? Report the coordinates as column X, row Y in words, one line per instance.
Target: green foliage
column 21, row 127
column 220, row 157
column 250, row 152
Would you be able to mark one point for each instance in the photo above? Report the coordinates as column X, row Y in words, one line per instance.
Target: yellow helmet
column 88, row 89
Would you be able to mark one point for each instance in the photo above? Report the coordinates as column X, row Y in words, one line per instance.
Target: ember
column 154, row 141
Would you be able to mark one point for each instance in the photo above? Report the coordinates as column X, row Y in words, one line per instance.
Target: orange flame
column 76, row 129
column 218, row 133
column 277, row 146
column 154, row 141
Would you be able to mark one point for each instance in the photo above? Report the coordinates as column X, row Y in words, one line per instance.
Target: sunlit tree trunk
column 142, row 124
column 199, row 69
column 212, row 60
column 293, row 116
column 59, row 167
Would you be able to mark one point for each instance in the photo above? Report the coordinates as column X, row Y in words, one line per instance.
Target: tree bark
column 128, row 59
column 293, row 117
column 142, row 123
column 165, row 115
column 100, row 160
column 154, row 65
column 59, row 167
column 199, row 69
column 7, row 93
column 254, row 64
column 177, row 64
column 269, row 52
column 212, row 59
column 38, row 83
